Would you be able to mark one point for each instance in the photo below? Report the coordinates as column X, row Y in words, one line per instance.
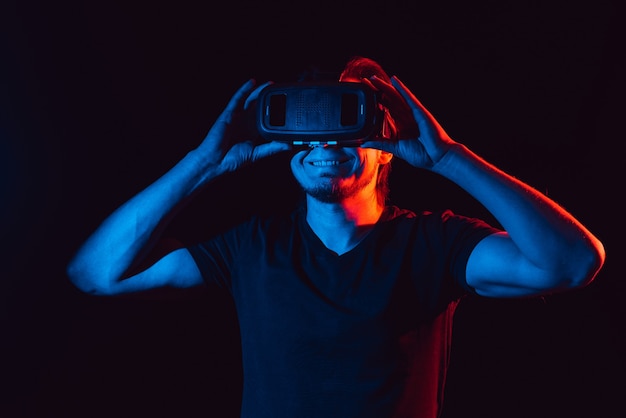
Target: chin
column 328, row 193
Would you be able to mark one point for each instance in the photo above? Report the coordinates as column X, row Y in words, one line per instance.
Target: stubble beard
column 330, row 192
column 334, row 192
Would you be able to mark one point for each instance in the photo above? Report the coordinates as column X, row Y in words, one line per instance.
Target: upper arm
column 496, row 268
column 176, row 269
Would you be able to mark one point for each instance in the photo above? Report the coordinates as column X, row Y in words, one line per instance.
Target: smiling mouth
column 325, row 163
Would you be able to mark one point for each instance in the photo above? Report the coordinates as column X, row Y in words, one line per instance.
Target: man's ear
column 385, row 157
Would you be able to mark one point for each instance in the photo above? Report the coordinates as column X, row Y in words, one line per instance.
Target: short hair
column 359, row 67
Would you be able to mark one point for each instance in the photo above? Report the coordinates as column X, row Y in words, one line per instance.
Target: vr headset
column 319, row 113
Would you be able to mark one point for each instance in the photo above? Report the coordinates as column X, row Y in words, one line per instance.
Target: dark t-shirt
column 363, row 334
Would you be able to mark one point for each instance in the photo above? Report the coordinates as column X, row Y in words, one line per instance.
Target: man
column 345, row 306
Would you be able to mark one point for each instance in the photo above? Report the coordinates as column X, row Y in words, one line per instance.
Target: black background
column 100, row 98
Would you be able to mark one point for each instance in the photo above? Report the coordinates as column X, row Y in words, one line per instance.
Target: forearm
column 544, row 232
column 128, row 234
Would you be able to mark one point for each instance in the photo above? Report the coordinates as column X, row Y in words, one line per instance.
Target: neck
column 342, row 225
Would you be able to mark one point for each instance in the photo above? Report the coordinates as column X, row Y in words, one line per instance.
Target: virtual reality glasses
column 319, row 113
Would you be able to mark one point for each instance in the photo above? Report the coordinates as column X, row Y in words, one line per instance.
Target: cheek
column 369, row 160
column 297, row 166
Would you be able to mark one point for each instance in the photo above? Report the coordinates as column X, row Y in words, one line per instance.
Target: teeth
column 325, row 163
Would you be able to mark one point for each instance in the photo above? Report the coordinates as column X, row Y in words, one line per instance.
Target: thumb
column 270, row 148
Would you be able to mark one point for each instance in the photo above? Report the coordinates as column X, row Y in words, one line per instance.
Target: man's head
column 331, row 174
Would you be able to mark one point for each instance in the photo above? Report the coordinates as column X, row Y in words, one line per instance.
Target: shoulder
column 392, row 212
column 438, row 217
column 260, row 227
column 395, row 213
column 440, row 223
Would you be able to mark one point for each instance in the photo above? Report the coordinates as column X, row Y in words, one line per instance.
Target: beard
column 334, row 191
column 330, row 192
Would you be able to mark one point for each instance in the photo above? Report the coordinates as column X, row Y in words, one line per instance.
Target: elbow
column 86, row 281
column 588, row 264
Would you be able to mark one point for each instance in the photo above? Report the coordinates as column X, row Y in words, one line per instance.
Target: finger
column 378, row 83
column 410, row 97
column 236, row 100
column 401, row 110
column 389, row 95
column 270, row 148
column 369, row 83
column 255, row 94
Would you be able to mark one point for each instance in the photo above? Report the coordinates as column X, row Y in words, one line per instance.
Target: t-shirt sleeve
column 216, row 257
column 462, row 235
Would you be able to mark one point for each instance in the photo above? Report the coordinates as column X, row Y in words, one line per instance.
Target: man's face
column 332, row 174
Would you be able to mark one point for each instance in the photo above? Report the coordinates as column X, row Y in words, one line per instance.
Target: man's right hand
column 230, row 144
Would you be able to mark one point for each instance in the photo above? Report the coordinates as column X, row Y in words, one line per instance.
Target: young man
column 345, row 306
